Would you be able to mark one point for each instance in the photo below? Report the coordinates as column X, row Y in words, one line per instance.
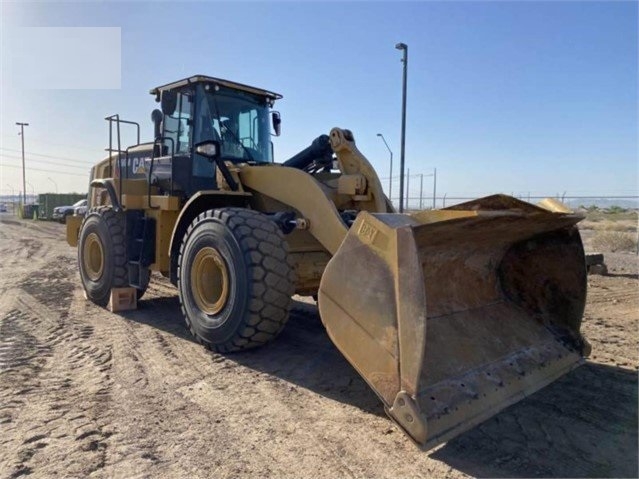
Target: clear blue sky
column 514, row 97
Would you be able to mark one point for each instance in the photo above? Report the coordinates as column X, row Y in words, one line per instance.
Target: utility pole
column 24, row 178
column 390, row 179
column 421, row 190
column 404, row 48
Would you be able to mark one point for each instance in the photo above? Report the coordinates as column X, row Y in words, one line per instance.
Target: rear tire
column 102, row 255
column 145, row 284
column 235, row 279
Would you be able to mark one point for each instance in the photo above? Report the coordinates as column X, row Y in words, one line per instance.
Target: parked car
column 60, row 213
column 80, row 210
column 3, row 208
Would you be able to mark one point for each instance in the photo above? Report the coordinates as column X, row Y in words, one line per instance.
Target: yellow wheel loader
column 449, row 315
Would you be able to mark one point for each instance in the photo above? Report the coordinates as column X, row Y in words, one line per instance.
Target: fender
column 108, row 185
column 199, row 202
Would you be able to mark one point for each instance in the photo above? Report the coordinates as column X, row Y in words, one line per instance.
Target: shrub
column 616, row 209
column 613, row 241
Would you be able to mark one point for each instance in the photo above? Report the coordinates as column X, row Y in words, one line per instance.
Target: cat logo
column 138, row 166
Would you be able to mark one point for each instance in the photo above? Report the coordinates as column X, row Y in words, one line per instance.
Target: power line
column 66, row 145
column 46, row 171
column 86, row 167
column 55, row 157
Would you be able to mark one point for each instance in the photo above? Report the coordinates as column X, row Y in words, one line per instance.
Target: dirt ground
column 84, row 392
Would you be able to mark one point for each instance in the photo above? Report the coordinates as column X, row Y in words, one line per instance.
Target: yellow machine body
column 449, row 315
column 452, row 315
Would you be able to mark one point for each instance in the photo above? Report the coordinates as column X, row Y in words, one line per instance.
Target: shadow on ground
column 584, row 425
column 302, row 354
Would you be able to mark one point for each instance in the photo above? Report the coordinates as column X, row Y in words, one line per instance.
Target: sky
column 517, row 97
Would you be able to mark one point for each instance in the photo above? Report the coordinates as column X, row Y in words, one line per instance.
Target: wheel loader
column 449, row 315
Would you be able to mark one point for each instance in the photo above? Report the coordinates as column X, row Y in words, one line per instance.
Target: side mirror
column 277, row 122
column 156, row 118
column 168, row 102
column 209, row 149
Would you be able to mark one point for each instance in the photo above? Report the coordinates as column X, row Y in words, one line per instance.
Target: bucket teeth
column 405, row 411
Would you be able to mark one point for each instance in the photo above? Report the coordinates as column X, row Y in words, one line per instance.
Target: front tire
column 235, row 279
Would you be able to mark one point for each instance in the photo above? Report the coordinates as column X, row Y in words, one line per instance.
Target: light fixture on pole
column 24, row 181
column 390, row 178
column 404, row 48
column 54, row 184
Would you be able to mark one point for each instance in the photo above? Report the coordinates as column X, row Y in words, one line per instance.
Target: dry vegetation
column 610, row 230
column 614, row 241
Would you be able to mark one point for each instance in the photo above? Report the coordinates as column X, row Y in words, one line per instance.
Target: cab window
column 177, row 126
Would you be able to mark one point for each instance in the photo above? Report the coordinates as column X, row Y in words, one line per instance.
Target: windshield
column 239, row 120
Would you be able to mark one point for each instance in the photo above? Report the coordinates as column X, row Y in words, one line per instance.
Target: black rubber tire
column 109, row 227
column 111, row 231
column 261, row 279
column 145, row 284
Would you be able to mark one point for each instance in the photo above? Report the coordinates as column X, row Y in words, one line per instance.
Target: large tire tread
column 116, row 227
column 271, row 281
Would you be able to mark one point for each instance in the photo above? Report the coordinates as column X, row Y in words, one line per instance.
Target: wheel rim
column 209, row 280
column 93, row 257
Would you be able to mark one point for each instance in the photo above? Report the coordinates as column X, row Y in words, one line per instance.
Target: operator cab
column 202, row 109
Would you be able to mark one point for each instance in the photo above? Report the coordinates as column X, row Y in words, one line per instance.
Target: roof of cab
column 219, row 81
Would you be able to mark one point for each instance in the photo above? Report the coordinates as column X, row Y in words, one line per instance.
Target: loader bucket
column 452, row 315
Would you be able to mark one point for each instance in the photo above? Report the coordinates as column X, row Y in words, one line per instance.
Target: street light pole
column 390, row 179
column 54, row 184
column 404, row 48
column 24, row 181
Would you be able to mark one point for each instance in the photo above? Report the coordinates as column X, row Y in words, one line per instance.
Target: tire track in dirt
column 58, row 384
column 22, row 358
column 166, row 363
column 64, row 398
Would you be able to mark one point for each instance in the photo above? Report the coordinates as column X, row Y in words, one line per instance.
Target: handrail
column 116, row 118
